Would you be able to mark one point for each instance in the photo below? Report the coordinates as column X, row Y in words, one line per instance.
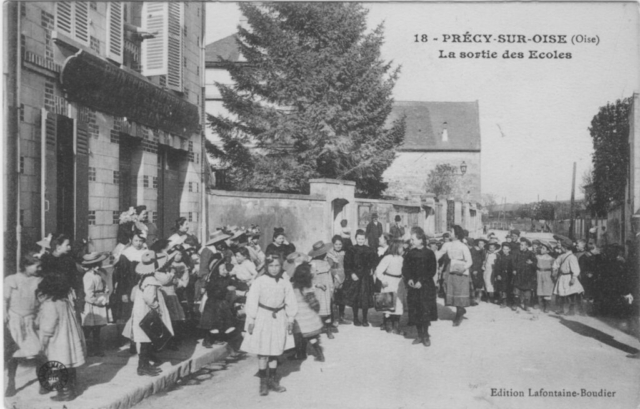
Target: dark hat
column 493, row 243
column 320, row 248
column 483, row 239
column 93, row 258
column 566, row 242
column 525, row 240
column 515, row 231
column 343, row 222
column 506, row 244
column 374, row 215
column 217, row 237
column 470, row 241
column 545, row 245
column 398, row 218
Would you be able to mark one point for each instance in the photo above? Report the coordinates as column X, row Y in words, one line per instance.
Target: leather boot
column 301, row 348
column 418, row 339
column 144, row 367
column 396, row 328
column 264, row 387
column 67, row 392
column 327, row 330
column 273, row 382
column 384, row 326
column 319, row 353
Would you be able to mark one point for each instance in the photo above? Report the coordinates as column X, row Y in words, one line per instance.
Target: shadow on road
column 598, row 335
column 445, row 313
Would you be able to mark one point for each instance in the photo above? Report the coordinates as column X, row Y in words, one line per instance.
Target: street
column 493, row 349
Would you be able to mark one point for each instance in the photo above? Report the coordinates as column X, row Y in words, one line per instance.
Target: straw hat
column 320, row 248
column 296, row 255
column 150, row 262
column 566, row 242
column 217, row 237
column 93, row 258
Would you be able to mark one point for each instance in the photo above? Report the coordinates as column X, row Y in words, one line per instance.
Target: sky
column 534, row 113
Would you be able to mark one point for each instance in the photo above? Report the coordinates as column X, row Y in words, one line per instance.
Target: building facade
column 108, row 105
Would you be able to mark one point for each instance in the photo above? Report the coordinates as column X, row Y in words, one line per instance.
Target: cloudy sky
column 534, row 114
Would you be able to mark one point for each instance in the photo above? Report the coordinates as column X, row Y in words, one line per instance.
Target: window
column 48, row 95
column 115, row 34
column 155, row 217
column 190, row 187
column 72, row 18
column 162, row 55
column 185, row 62
column 190, row 146
column 116, row 177
column 21, row 164
column 184, row 31
column 22, row 217
column 22, row 112
column 116, row 217
column 91, row 217
column 92, row 174
column 95, row 44
column 145, row 181
column 155, row 182
column 190, row 217
column 197, row 158
column 115, row 136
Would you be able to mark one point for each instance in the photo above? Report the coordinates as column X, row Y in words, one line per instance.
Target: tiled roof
column 227, row 48
column 426, row 122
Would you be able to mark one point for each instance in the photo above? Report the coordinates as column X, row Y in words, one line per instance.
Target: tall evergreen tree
column 311, row 101
column 610, row 133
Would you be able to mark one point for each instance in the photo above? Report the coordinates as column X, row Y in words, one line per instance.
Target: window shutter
column 174, row 63
column 154, row 50
column 64, row 17
column 82, row 180
column 81, row 21
column 115, row 35
column 49, row 169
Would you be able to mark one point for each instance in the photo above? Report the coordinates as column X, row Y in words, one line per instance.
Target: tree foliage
column 312, row 100
column 442, row 180
column 610, row 134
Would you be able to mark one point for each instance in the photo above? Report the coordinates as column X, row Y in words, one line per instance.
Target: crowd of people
column 281, row 298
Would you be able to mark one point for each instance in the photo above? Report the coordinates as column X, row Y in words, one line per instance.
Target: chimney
column 445, row 133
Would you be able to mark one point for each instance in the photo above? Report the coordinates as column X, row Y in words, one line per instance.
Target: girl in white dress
column 389, row 272
column 271, row 309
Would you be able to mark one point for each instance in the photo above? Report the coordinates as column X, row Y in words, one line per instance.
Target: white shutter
column 64, row 17
column 114, row 32
column 82, row 21
column 155, row 18
column 174, row 63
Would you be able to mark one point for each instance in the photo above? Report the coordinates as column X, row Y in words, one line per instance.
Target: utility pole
column 573, row 193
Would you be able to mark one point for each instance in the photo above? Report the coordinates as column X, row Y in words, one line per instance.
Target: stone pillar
column 339, row 198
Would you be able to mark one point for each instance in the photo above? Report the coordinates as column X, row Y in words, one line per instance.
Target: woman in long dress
column 271, row 309
column 458, row 277
column 418, row 268
column 359, row 262
column 389, row 273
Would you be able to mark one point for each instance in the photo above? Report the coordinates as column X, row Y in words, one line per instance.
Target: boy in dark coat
column 374, row 231
column 524, row 280
column 503, row 273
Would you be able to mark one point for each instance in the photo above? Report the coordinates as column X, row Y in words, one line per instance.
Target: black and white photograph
column 357, row 205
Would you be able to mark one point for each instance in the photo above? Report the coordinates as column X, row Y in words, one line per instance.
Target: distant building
column 110, row 101
column 437, row 133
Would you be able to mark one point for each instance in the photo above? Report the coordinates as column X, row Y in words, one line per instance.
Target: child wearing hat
column 524, row 280
column 96, row 298
column 20, row 312
column 148, row 297
column 307, row 326
column 323, row 283
column 60, row 333
column 374, row 231
column 567, row 271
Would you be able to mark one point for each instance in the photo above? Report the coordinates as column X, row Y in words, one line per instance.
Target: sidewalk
column 111, row 382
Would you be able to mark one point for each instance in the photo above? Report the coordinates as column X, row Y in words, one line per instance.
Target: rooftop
column 225, row 48
column 426, row 122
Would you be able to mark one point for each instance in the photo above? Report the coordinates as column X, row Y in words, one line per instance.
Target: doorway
column 339, row 212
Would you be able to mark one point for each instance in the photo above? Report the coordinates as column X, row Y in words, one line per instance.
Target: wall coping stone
column 333, row 181
column 263, row 195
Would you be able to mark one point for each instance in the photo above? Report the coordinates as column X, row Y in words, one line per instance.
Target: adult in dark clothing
column 280, row 244
column 503, row 274
column 477, row 276
column 525, row 280
column 359, row 261
column 418, row 269
column 374, row 231
column 590, row 265
column 514, row 244
column 397, row 230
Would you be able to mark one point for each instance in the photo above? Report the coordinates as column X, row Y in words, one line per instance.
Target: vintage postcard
column 321, row 204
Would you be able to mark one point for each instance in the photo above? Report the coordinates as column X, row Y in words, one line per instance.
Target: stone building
column 437, row 133
column 105, row 112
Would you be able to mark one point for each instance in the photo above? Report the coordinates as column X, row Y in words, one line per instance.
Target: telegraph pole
column 573, row 193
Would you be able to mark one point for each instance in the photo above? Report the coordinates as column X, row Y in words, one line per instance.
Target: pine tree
column 311, row 101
